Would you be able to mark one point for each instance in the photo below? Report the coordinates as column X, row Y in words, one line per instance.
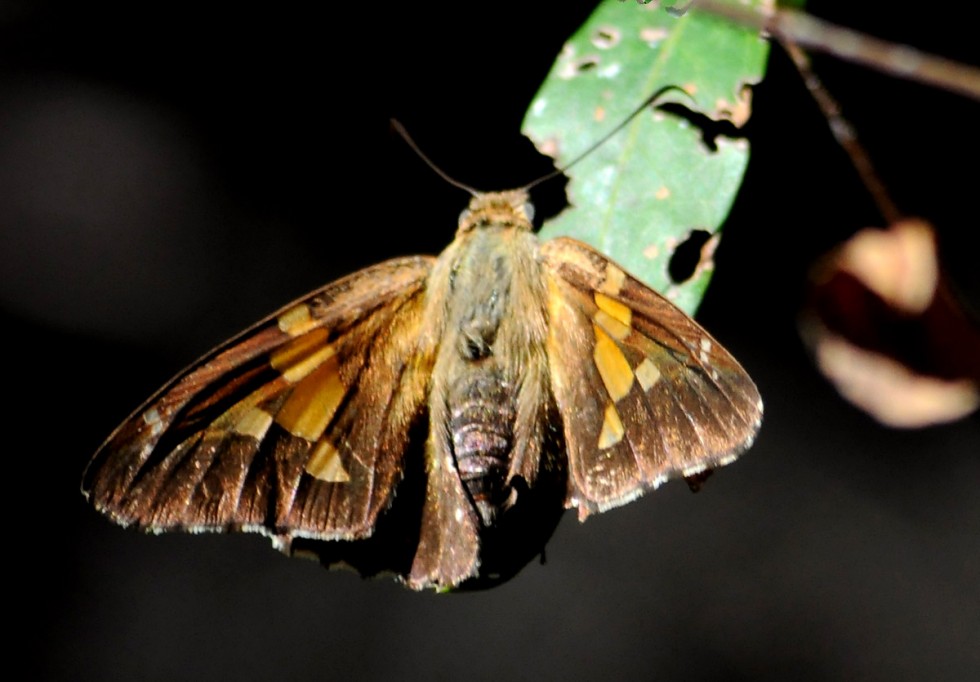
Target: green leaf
column 645, row 190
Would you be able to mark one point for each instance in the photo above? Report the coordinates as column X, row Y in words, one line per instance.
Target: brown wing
column 295, row 428
column 644, row 392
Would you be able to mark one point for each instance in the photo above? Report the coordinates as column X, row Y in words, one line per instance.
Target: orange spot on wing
column 308, row 410
column 617, row 376
column 612, row 428
column 325, row 464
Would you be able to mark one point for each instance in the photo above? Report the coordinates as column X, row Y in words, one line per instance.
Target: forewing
column 645, row 394
column 295, row 428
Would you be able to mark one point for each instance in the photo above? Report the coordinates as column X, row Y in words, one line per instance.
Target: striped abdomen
column 482, row 413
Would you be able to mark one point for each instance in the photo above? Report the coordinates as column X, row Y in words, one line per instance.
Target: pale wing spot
column 647, row 374
column 458, row 515
column 296, row 320
column 614, row 280
column 705, row 349
column 325, row 464
column 310, row 407
column 152, row 419
column 254, row 422
column 617, row 376
column 612, row 428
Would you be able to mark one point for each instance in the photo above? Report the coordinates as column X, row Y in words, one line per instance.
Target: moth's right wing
column 645, row 393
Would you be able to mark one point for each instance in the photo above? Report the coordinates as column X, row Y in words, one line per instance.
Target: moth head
column 510, row 209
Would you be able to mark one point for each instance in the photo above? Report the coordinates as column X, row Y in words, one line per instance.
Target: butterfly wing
column 645, row 393
column 296, row 428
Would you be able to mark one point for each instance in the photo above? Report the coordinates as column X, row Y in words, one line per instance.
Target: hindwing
column 645, row 393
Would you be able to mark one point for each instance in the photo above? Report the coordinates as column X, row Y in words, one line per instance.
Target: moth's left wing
column 295, row 428
column 645, row 393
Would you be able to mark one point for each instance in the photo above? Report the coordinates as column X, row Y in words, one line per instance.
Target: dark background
column 170, row 173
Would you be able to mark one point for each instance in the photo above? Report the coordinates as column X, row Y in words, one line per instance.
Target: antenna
column 400, row 129
column 602, row 140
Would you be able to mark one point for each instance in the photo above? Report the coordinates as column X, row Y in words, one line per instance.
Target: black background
column 170, row 173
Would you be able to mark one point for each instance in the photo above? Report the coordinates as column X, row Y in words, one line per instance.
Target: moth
column 434, row 417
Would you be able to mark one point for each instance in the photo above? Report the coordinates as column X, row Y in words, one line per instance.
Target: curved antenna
column 400, row 129
column 602, row 140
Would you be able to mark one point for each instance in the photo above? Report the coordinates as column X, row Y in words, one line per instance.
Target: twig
column 901, row 61
column 844, row 134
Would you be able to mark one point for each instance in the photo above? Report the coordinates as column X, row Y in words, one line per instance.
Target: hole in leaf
column 687, row 256
column 586, row 64
column 606, row 37
column 710, row 129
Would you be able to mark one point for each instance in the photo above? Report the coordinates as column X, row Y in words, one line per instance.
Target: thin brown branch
column 901, row 61
column 844, row 133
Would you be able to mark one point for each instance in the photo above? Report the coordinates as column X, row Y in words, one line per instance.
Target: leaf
column 886, row 330
column 645, row 190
